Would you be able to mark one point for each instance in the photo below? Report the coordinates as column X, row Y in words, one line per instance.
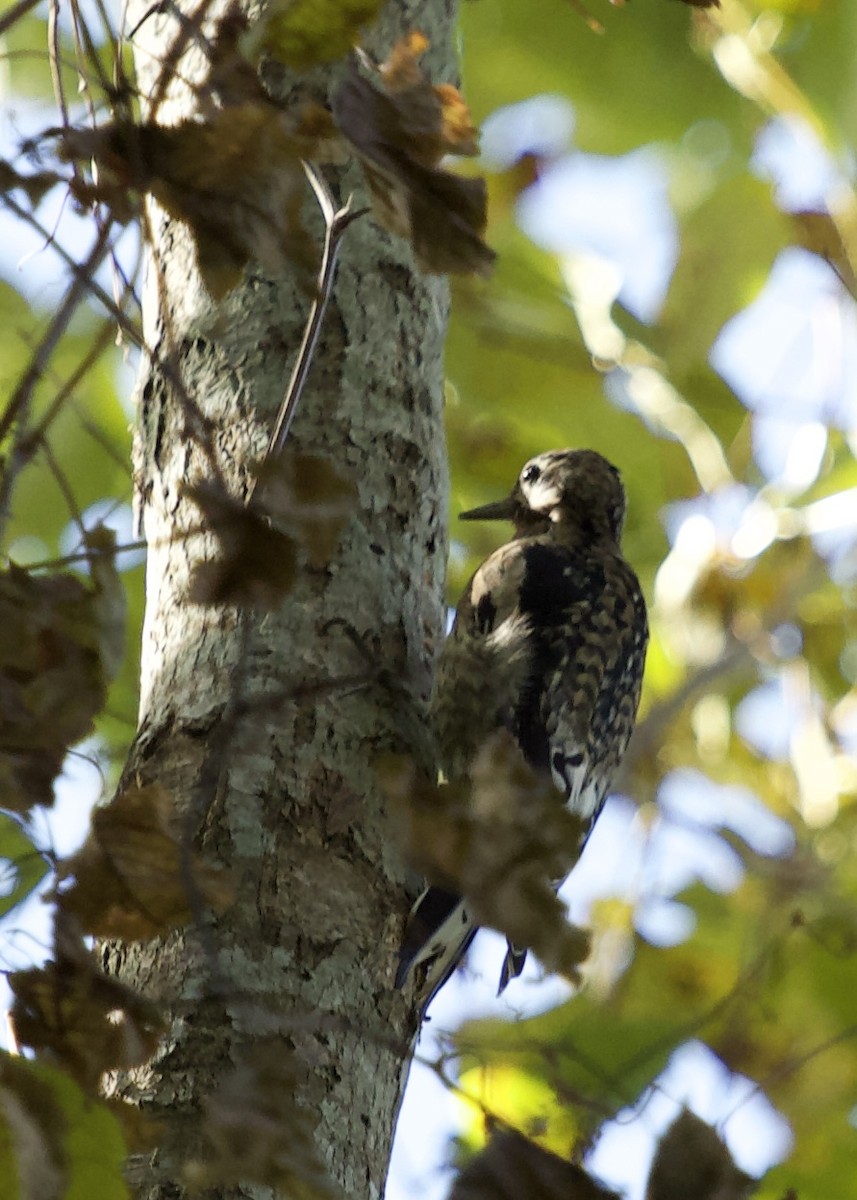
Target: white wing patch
column 572, row 768
column 570, row 772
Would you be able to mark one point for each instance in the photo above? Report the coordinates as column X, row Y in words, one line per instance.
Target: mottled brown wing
column 485, row 662
column 589, row 700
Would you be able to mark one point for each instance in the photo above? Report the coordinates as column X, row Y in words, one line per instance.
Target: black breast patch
column 554, row 580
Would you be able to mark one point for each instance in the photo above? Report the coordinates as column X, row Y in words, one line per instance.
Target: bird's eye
column 531, row 473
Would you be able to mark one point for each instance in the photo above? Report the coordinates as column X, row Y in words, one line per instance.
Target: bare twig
column 20, row 10
column 54, row 59
column 336, row 221
column 99, row 343
column 57, row 327
column 19, row 403
column 78, row 270
column 65, row 487
column 190, row 29
column 88, row 59
column 69, row 560
column 791, row 1067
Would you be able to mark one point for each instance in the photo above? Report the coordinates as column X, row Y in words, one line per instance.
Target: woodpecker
column 549, row 642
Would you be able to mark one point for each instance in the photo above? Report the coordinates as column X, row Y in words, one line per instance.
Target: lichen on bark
column 280, row 786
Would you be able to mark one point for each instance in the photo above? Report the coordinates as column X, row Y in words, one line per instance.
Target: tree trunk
column 281, row 787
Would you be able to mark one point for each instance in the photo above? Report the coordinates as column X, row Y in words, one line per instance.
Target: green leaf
column 56, row 1142
column 640, row 81
column 305, row 33
column 600, row 1053
column 22, row 867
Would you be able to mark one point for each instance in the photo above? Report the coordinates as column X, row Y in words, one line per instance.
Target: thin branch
column 88, row 59
column 75, row 267
column 65, row 487
column 190, row 29
column 19, row 403
column 57, row 327
column 336, row 221
column 791, row 1067
column 119, row 457
column 54, row 59
column 100, row 342
column 20, row 10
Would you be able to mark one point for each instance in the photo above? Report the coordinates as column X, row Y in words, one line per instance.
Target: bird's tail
column 513, row 965
column 437, row 935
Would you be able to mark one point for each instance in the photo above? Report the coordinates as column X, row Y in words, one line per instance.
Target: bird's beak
column 499, row 510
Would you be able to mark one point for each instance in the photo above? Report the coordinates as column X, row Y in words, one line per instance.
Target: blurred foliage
column 765, row 977
column 22, row 867
column 751, row 578
column 58, row 1144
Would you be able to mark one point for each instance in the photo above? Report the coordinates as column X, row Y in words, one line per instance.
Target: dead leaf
column 256, row 1132
column 141, row 1132
column 257, row 566
column 303, row 33
column 458, row 134
column 61, row 642
column 691, row 1160
column 232, row 78
column 503, row 839
column 235, row 180
column 308, row 499
column 35, row 187
column 512, row 1167
column 401, row 127
column 72, row 1014
column 315, row 134
column 130, row 877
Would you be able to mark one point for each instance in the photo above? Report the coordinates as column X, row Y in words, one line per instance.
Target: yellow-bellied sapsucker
column 549, row 642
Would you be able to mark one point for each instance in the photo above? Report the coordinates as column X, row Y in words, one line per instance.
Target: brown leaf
column 401, row 127
column 141, row 1132
column 232, row 78
column 72, row 1014
column 257, row 1133
column 257, row 566
column 235, row 180
column 60, row 644
column 691, row 1160
column 316, row 135
column 458, row 134
column 512, row 1167
column 503, row 840
column 35, row 187
column 131, row 879
column 307, row 498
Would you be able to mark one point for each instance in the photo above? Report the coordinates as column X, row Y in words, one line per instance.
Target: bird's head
column 568, row 489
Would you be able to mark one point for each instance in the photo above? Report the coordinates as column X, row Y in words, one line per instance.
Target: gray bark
column 285, row 792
